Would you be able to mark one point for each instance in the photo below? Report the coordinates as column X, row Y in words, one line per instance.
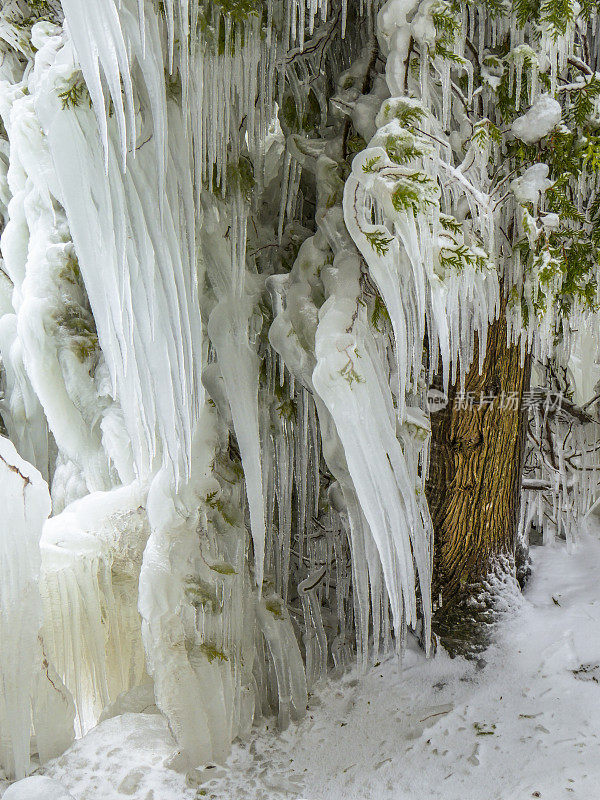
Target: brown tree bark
column 474, row 488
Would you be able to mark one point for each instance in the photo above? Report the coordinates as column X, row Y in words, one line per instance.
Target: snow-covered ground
column 524, row 724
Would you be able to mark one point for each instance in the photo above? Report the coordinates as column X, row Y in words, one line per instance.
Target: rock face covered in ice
column 148, row 506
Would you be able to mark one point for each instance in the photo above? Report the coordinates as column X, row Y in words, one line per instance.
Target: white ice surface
column 524, row 722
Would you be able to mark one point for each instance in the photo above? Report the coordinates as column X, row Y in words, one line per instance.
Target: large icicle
column 144, row 301
column 351, row 385
column 239, row 364
column 389, row 531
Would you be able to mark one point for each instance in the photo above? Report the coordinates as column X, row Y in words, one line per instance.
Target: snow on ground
column 525, row 724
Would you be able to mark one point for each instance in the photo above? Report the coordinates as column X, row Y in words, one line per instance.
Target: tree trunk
column 474, row 489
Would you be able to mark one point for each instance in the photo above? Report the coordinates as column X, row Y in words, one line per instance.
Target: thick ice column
column 91, row 624
column 192, row 664
column 25, row 501
column 177, row 688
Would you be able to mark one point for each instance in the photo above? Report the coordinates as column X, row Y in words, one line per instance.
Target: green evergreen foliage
column 203, row 595
column 557, row 15
column 275, row 606
column 457, row 257
column 560, row 260
column 409, row 115
column 75, row 93
column 380, row 317
column 71, row 272
column 215, row 16
column 403, row 148
column 370, row 164
column 305, row 119
column 215, row 502
column 413, row 192
column 240, row 176
column 379, row 241
column 223, row 568
column 447, row 25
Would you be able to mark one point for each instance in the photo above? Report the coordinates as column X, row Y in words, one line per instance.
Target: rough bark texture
column 474, row 487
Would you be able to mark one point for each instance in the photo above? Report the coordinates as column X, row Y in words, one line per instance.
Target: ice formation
column 229, row 408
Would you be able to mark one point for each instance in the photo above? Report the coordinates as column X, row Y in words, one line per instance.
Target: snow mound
column 38, row 787
column 130, row 756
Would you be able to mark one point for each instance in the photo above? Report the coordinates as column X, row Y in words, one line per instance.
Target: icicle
column 228, row 331
column 287, row 662
column 98, row 38
column 315, row 642
column 446, row 95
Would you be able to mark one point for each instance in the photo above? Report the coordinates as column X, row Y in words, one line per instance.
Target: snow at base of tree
column 522, row 721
